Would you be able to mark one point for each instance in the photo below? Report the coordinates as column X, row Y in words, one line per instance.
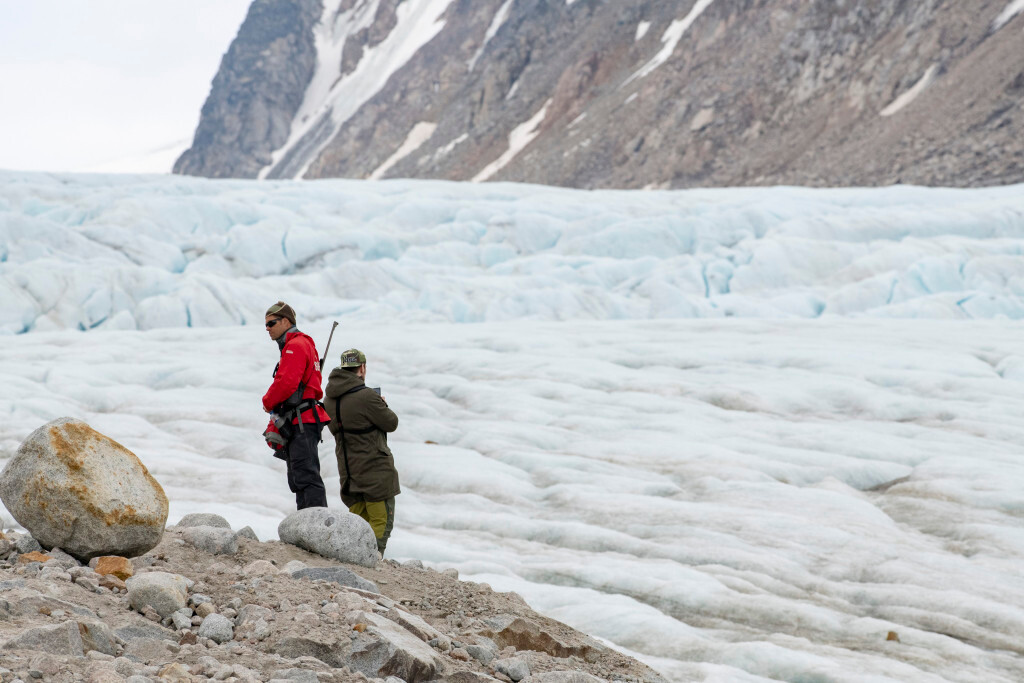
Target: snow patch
column 331, row 99
column 447, row 149
column 419, row 134
column 496, row 23
column 910, row 95
column 670, row 39
column 1013, row 9
column 641, row 30
column 521, row 136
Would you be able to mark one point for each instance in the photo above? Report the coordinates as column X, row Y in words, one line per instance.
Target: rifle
column 328, row 347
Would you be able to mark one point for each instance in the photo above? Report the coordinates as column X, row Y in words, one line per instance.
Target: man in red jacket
column 295, row 396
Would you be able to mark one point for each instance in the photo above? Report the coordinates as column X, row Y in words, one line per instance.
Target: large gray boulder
column 337, row 534
column 75, row 488
column 166, row 593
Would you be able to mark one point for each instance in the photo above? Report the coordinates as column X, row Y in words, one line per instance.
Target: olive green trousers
column 380, row 514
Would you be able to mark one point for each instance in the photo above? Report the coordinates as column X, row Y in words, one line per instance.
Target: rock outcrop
column 79, row 490
column 625, row 94
column 257, row 91
column 273, row 611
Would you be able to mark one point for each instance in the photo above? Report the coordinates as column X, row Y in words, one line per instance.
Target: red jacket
column 300, row 363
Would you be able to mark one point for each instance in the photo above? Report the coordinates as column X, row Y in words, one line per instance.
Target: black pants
column 304, row 468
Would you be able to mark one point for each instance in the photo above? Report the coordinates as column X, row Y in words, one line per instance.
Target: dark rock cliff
column 255, row 94
column 638, row 93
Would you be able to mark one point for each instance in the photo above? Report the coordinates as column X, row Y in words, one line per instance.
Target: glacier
column 143, row 252
column 741, row 434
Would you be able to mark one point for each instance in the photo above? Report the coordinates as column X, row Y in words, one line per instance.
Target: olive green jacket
column 365, row 463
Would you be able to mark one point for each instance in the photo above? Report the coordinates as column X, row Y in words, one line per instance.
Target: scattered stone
column 387, row 649
column 148, row 650
column 217, row 628
column 250, row 613
column 61, row 639
column 330, row 652
column 205, row 609
column 451, row 573
column 259, row 568
column 102, row 672
column 516, row 668
column 337, row 534
column 523, row 634
column 142, row 631
column 563, row 677
column 415, row 625
column 62, row 558
column 112, row 582
column 88, row 583
column 174, row 673
column 442, row 643
column 459, row 654
column 53, row 573
column 203, row 519
column 34, row 556
column 198, row 599
column 248, row 533
column 415, row 564
column 211, row 539
column 165, row 593
column 294, row 566
column 470, row 677
column 124, row 666
column 295, row 675
column 182, row 619
column 115, row 565
column 26, row 544
column 188, row 638
column 339, row 575
column 480, row 654
column 97, row 636
column 75, row 488
column 44, row 664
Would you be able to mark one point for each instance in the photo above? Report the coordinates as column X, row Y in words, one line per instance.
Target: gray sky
column 103, row 84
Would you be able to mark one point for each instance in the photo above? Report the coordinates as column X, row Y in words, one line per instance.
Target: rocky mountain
column 621, row 93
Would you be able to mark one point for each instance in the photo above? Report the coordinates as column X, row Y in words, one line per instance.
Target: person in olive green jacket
column 360, row 421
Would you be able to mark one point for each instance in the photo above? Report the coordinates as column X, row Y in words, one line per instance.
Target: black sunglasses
column 271, row 323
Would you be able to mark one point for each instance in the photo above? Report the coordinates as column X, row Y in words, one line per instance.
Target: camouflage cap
column 352, row 358
column 282, row 309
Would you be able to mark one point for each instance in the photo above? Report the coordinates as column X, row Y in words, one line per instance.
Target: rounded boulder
column 337, row 534
column 75, row 488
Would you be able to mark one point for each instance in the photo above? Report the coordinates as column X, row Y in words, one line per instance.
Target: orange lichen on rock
column 115, row 565
column 34, row 556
